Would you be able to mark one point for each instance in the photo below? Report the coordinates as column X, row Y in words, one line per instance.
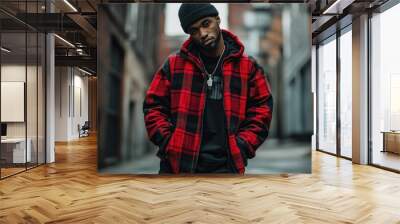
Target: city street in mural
column 163, row 114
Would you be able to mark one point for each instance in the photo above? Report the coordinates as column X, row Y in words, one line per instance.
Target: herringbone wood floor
column 71, row 191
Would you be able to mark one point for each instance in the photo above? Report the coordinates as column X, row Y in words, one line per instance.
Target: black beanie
column 190, row 13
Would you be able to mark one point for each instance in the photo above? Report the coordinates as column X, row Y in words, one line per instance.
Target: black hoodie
column 214, row 154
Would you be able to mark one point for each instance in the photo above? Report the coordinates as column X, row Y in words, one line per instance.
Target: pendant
column 209, row 81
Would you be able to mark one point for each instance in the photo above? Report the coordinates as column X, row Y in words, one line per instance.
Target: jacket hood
column 233, row 45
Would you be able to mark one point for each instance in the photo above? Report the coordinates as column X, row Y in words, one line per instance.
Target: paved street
column 272, row 157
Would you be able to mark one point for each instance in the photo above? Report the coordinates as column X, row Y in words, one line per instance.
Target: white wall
column 13, row 72
column 80, row 100
column 61, row 103
column 71, row 94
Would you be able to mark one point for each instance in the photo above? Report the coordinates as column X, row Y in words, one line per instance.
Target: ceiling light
column 79, row 51
column 337, row 7
column 5, row 50
column 70, row 5
column 65, row 41
column 84, row 71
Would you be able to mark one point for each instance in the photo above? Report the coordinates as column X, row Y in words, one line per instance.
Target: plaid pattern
column 175, row 101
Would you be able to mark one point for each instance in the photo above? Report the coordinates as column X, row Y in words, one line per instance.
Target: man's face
column 206, row 32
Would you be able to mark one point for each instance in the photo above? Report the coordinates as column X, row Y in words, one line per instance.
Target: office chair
column 84, row 130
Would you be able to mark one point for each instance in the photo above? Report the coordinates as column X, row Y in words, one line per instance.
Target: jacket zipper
column 196, row 157
column 230, row 158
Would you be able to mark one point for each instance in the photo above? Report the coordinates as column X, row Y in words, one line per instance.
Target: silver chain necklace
column 210, row 76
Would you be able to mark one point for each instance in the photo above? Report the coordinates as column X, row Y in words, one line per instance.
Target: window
column 327, row 95
column 385, row 88
column 346, row 93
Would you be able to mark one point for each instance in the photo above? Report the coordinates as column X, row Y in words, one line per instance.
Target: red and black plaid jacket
column 175, row 101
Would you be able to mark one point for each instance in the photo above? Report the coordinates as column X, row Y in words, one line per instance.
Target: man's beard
column 213, row 45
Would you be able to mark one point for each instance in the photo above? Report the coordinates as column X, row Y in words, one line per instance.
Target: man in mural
column 209, row 106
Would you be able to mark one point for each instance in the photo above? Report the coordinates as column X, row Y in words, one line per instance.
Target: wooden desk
column 13, row 150
column 391, row 141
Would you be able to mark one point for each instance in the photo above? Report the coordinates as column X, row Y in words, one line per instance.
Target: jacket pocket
column 243, row 150
column 163, row 147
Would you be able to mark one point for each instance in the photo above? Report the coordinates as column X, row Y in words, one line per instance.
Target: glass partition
column 41, row 91
column 13, row 109
column 22, row 79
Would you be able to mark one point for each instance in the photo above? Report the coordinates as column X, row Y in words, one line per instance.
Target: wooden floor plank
column 71, row 191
